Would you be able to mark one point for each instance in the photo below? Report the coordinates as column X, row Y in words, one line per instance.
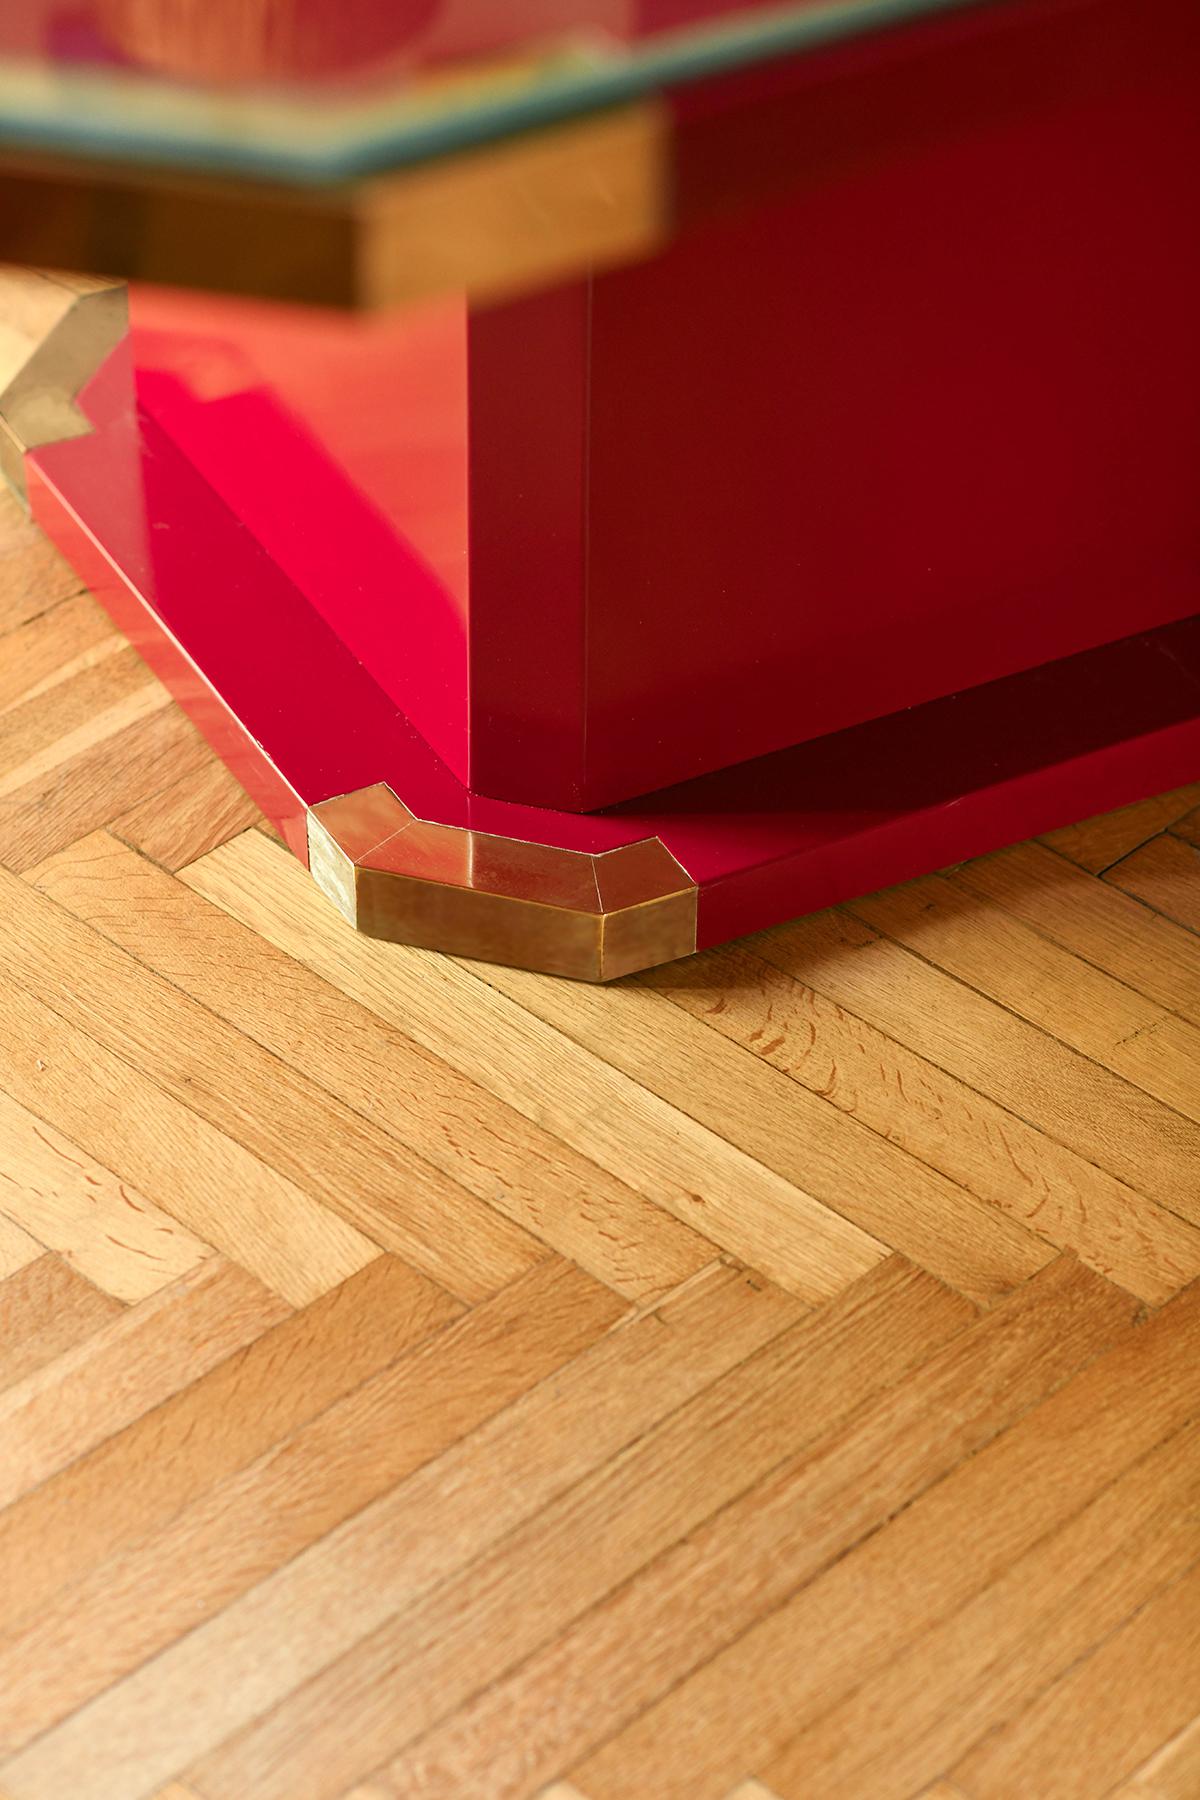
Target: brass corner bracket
column 55, row 331
column 532, row 906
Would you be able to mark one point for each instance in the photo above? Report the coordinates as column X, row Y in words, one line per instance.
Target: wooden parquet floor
column 775, row 1376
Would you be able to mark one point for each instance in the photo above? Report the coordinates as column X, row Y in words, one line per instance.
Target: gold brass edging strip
column 503, row 900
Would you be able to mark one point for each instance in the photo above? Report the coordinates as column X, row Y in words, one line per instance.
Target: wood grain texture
column 510, row 1163
column 195, row 814
column 33, row 576
column 812, row 1507
column 131, row 1364
column 1171, row 1773
column 1095, row 844
column 988, row 1150
column 832, row 1632
column 795, row 1133
column 17, row 1247
column 1071, row 1000
column 1165, row 874
column 774, row 1377
column 67, row 640
column 264, row 1391
column 598, row 1534
column 1067, row 1096
column 1141, row 1685
column 76, row 1640
column 415, row 1535
column 104, row 1228
column 674, row 1161
column 132, row 750
column 973, row 1669
column 45, row 1308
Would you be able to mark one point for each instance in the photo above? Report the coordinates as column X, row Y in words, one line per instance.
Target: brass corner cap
column 503, row 900
column 55, row 331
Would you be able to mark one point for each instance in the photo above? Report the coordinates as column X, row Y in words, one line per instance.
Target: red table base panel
column 512, row 613
column 409, row 853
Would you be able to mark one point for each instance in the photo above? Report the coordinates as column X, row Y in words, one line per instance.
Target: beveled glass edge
column 297, row 140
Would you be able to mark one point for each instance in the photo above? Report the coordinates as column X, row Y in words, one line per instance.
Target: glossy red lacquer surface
column 340, row 443
column 300, row 719
column 929, row 417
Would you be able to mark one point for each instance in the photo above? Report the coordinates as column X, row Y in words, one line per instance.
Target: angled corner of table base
column 408, row 853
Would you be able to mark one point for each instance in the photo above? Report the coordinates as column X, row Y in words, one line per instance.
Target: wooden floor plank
column 754, row 1551
column 710, row 1185
column 129, row 1365
column 104, row 1228
column 1051, row 1086
column 33, row 576
column 338, row 1158
column 506, row 1160
column 160, row 1146
column 260, row 1394
column 1165, row 874
column 1096, row 844
column 90, row 706
column 201, row 810
column 973, row 1670
column 1095, row 920
column 1171, row 1773
column 214, row 1681
column 991, row 1152
column 17, row 1247
column 105, row 770
column 104, row 1624
column 417, row 1666
column 45, row 1308
column 63, row 642
column 740, row 1708
column 1104, row 1715
column 1070, row 999
column 793, row 1131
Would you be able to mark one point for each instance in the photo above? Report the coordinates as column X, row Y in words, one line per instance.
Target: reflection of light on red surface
column 339, row 441
column 238, row 40
column 256, row 40
column 249, row 40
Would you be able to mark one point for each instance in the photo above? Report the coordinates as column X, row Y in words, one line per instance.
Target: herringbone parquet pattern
column 775, row 1376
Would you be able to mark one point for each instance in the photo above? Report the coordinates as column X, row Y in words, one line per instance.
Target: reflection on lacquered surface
column 237, row 40
column 316, row 88
column 340, row 444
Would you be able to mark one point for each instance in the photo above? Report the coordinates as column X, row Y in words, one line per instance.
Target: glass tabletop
column 325, row 90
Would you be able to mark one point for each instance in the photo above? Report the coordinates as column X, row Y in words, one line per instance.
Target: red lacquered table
column 637, row 471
